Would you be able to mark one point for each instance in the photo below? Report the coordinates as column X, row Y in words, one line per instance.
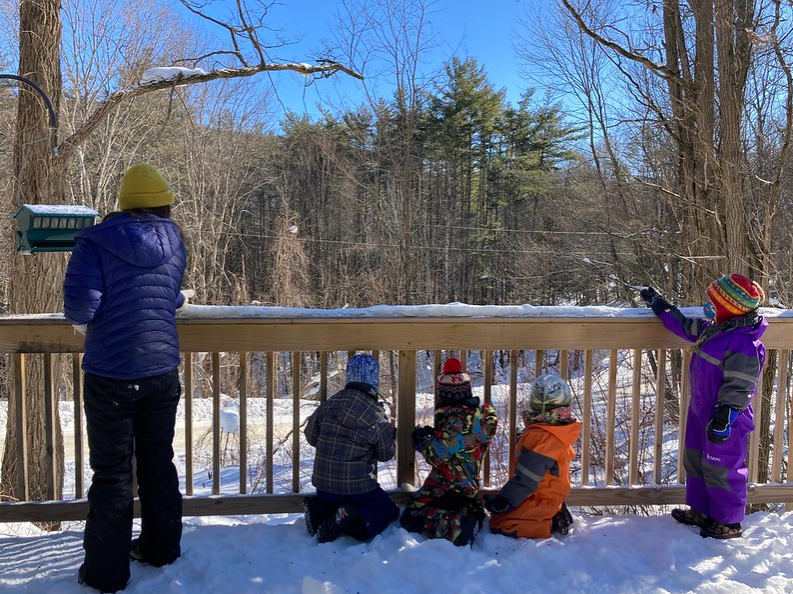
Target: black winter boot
column 562, row 521
column 340, row 523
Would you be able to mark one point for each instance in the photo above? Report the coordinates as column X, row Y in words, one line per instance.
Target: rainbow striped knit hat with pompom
column 734, row 295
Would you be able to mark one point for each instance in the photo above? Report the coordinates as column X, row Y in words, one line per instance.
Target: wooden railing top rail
column 51, row 333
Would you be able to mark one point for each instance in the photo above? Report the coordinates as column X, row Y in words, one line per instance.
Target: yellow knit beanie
column 143, row 187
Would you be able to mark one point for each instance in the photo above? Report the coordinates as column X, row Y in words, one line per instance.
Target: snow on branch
column 156, row 79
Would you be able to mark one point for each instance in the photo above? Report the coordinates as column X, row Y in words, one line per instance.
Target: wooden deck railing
column 625, row 418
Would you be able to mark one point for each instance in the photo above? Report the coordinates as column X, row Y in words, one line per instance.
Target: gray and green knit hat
column 548, row 392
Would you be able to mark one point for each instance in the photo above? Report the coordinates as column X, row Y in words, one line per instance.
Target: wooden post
column 406, row 418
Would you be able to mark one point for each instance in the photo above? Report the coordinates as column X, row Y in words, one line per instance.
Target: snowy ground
column 274, row 554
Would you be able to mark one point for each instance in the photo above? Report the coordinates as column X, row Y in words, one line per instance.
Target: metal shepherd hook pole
column 48, row 103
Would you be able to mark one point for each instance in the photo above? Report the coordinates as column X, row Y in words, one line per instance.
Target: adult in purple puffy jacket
column 122, row 288
column 727, row 359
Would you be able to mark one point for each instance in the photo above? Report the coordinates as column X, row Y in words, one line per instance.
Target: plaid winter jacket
column 351, row 433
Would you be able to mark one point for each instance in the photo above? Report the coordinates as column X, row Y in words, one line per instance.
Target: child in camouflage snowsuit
column 531, row 503
column 448, row 504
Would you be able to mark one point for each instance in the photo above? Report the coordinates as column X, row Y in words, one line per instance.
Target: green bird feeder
column 50, row 227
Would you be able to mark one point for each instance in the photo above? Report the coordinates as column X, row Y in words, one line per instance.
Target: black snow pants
column 116, row 412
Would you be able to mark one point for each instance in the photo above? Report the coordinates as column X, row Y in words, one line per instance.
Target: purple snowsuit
column 725, row 369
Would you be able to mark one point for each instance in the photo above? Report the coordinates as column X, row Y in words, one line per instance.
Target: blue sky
column 470, row 28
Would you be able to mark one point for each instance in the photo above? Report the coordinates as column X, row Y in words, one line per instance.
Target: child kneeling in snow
column 531, row 504
column 448, row 504
column 351, row 433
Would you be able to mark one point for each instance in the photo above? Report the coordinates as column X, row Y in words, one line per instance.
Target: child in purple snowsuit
column 728, row 357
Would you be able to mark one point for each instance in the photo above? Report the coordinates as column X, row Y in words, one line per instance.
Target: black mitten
column 419, row 433
column 654, row 300
column 497, row 504
column 720, row 424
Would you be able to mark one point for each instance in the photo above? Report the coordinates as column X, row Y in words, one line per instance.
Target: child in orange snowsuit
column 531, row 504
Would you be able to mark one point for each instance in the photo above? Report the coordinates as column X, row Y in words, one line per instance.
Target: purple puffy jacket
column 123, row 280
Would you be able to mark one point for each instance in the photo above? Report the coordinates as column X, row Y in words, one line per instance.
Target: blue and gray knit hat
column 363, row 369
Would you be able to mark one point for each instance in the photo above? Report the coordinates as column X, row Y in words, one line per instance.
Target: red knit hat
column 734, row 295
column 453, row 382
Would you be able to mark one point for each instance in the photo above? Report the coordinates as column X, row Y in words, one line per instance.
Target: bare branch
column 659, row 69
column 67, row 147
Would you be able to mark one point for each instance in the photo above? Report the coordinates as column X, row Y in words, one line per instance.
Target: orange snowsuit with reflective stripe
column 540, row 482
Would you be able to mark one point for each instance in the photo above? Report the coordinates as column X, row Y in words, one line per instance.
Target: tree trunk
column 36, row 279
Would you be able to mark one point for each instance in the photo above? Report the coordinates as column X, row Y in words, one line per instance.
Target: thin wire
column 423, row 247
column 535, row 231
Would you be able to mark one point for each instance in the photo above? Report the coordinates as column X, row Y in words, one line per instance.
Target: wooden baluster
column 611, row 417
column 323, row 376
column 77, row 395
column 660, row 399
column 20, row 388
column 564, row 364
column 513, row 403
column 586, row 430
column 683, row 412
column 188, row 422
column 406, row 418
column 269, row 446
column 539, row 363
column 296, row 421
column 754, row 438
column 437, row 365
column 49, row 425
column 789, row 504
column 216, row 423
column 243, row 389
column 782, row 391
column 636, row 395
column 488, row 388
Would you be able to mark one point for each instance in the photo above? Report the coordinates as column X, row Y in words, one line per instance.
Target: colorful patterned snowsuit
column 449, row 502
column 725, row 369
column 540, row 482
